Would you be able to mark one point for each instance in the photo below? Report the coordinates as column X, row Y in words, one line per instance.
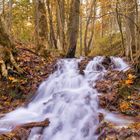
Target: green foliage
column 107, row 46
column 23, row 22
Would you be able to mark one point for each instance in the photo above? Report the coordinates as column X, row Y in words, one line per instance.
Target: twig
column 28, row 50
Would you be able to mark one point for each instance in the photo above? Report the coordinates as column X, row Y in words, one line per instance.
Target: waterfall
column 68, row 100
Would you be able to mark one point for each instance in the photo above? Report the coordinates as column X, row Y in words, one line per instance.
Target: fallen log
column 34, row 124
column 22, row 132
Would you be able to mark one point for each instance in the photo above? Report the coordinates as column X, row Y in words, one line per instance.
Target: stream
column 69, row 100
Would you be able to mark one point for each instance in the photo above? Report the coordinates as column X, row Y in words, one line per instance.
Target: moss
column 124, row 91
column 104, row 47
column 16, row 93
column 137, row 83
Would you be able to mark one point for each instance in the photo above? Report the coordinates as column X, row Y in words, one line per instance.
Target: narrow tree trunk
column 87, row 43
column 61, row 23
column 73, row 27
column 9, row 18
column 36, row 21
column 81, row 34
column 3, row 7
column 120, row 27
column 137, row 30
column 52, row 33
column 90, row 42
column 130, row 29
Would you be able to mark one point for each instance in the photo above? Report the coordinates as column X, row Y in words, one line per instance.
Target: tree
column 9, row 18
column 41, row 26
column 6, row 52
column 119, row 21
column 90, row 22
column 73, row 27
column 130, row 29
column 52, row 32
column 60, row 10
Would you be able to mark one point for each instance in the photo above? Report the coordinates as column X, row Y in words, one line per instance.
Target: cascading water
column 68, row 100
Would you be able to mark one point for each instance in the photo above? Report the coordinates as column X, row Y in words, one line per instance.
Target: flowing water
column 68, row 100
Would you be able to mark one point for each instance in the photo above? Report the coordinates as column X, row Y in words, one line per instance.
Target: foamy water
column 68, row 100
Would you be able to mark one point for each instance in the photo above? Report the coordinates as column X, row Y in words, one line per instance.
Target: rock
column 82, row 65
column 101, row 117
column 106, row 62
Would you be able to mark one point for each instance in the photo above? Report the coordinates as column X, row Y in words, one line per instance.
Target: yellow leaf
column 129, row 97
column 7, row 103
column 135, row 125
column 131, row 77
column 128, row 82
column 11, row 78
column 15, row 81
column 124, row 106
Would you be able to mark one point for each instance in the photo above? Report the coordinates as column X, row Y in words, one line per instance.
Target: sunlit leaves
column 124, row 105
column 130, row 79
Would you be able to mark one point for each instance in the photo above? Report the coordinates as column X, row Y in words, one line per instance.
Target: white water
column 68, row 100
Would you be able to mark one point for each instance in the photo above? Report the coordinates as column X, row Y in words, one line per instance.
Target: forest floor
column 19, row 88
column 120, row 94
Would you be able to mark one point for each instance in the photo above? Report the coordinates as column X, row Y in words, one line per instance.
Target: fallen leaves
column 11, row 78
column 118, row 93
column 135, row 125
column 109, row 131
column 18, row 87
column 130, row 79
column 7, row 103
column 124, row 105
column 128, row 82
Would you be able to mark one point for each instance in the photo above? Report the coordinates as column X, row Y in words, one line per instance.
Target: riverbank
column 119, row 94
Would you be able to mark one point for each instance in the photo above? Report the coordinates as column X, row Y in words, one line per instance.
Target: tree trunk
column 130, row 29
column 41, row 26
column 9, row 18
column 61, row 22
column 120, row 26
column 80, row 32
column 3, row 7
column 52, row 33
column 6, row 52
column 90, row 42
column 73, row 27
column 137, row 32
column 87, row 25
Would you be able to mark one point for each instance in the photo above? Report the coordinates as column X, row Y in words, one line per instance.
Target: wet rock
column 101, row 117
column 106, row 62
column 82, row 65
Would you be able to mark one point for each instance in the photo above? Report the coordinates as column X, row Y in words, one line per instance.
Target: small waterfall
column 68, row 100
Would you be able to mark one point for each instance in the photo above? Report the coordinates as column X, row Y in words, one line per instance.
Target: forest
column 69, row 69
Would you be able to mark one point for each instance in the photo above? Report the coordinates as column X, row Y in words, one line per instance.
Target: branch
column 109, row 13
column 28, row 50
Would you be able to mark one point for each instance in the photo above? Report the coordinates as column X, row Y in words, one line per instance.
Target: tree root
column 4, row 71
column 15, row 64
